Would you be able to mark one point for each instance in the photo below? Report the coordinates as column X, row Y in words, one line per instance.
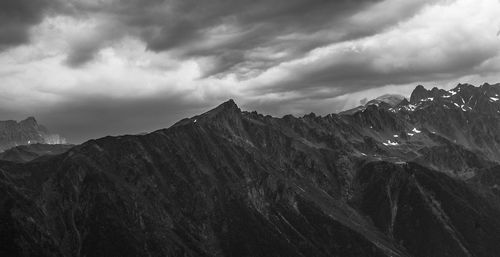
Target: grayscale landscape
column 249, row 128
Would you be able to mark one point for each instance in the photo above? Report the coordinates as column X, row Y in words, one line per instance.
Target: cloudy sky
column 90, row 68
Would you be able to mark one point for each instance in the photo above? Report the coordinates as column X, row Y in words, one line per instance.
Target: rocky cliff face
column 414, row 179
column 25, row 132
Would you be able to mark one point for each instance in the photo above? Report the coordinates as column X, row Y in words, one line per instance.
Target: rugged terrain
column 414, row 178
column 25, row 132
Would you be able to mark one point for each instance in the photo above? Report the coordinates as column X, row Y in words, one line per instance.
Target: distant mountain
column 390, row 99
column 417, row 178
column 26, row 153
column 28, row 131
column 387, row 99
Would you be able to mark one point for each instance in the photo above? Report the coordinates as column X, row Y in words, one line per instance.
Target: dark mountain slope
column 25, row 153
column 195, row 189
column 233, row 183
column 428, row 212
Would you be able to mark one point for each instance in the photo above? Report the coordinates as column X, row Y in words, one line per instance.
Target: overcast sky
column 90, row 68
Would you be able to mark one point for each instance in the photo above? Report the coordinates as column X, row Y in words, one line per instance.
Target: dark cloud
column 227, row 31
column 84, row 47
column 82, row 52
column 346, row 70
column 17, row 17
column 250, row 25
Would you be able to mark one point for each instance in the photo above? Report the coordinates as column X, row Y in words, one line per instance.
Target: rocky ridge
column 414, row 179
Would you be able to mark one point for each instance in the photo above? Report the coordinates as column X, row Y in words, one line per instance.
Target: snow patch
column 494, row 99
column 395, row 136
column 416, row 130
column 411, row 107
column 390, row 143
column 410, row 134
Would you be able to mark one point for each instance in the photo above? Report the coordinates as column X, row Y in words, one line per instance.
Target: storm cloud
column 17, row 17
column 237, row 36
column 91, row 68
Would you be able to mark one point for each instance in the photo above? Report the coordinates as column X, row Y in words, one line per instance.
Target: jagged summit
column 228, row 106
column 227, row 110
column 25, row 132
column 404, row 102
column 418, row 93
column 464, row 86
column 464, row 97
column 30, row 121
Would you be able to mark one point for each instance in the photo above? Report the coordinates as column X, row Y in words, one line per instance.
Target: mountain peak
column 226, row 110
column 30, row 121
column 464, row 86
column 30, row 118
column 404, row 102
column 228, row 106
column 418, row 94
column 26, row 132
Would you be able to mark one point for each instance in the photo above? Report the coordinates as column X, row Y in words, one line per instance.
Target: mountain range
column 398, row 177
